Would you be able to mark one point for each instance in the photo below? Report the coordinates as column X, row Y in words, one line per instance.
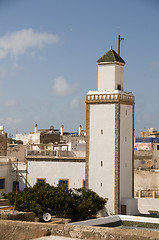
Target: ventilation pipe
column 62, row 130
column 79, row 130
column 36, row 128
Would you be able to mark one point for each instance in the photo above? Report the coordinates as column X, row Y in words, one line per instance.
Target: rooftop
column 111, row 56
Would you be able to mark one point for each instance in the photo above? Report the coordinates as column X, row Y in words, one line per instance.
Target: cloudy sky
column 48, row 53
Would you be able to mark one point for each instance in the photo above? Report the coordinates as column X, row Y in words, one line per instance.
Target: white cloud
column 62, row 88
column 17, row 43
column 10, row 103
column 74, row 103
column 10, row 121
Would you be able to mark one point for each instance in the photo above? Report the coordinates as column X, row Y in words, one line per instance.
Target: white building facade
column 55, row 171
column 110, row 134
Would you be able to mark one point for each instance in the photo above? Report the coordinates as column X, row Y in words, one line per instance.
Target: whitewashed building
column 110, row 135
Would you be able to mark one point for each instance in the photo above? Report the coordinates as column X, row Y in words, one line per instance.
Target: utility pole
column 16, row 189
column 119, row 40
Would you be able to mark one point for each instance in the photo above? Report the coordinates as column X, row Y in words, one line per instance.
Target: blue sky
column 48, row 53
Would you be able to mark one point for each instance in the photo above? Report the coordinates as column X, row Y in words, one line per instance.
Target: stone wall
column 16, row 215
column 11, row 230
column 3, row 144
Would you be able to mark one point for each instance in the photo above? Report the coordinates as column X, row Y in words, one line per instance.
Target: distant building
column 151, row 132
column 3, row 142
column 146, row 152
column 40, row 136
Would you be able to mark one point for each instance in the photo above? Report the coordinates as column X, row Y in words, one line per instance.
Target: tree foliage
column 76, row 204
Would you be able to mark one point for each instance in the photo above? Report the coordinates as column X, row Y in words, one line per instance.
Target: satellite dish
column 47, row 217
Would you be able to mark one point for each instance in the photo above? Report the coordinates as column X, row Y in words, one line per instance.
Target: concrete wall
column 143, row 159
column 52, row 171
column 11, row 230
column 126, row 149
column 17, row 151
column 146, row 180
column 102, row 151
column 146, row 204
column 3, row 144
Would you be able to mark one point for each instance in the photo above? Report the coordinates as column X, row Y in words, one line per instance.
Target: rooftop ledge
column 109, row 92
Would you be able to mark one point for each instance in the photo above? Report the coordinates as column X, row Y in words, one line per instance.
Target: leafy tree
column 77, row 204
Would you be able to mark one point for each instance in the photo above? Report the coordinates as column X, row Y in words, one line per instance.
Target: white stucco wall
column 31, row 138
column 102, row 148
column 125, row 151
column 52, row 171
column 109, row 76
column 119, row 76
column 5, row 174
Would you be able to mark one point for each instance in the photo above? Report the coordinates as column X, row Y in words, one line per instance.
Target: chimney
column 79, row 130
column 36, row 128
column 62, row 130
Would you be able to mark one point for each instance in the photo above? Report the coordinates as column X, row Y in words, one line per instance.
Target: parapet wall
column 11, row 230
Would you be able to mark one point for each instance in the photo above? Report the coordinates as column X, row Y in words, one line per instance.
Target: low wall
column 16, row 215
column 148, row 204
column 11, row 230
column 116, row 218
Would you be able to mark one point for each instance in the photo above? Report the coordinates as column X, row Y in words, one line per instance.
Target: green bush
column 76, row 204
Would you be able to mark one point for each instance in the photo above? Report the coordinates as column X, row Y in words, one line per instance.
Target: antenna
column 119, row 40
column 47, row 217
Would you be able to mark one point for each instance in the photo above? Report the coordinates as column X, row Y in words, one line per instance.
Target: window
column 15, row 186
column 41, row 180
column 102, row 132
column 101, row 184
column 2, row 183
column 126, row 112
column 157, row 147
column 125, row 139
column 63, row 182
column 101, row 163
column 118, row 87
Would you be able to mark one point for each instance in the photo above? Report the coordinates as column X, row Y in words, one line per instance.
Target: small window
column 125, row 139
column 63, row 182
column 2, row 183
column 41, row 180
column 15, row 186
column 126, row 112
column 84, row 183
column 101, row 184
column 102, row 132
column 157, row 147
column 101, row 163
column 118, row 87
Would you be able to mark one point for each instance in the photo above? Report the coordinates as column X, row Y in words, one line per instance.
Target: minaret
column 110, row 134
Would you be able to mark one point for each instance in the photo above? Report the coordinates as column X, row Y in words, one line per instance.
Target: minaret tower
column 110, row 134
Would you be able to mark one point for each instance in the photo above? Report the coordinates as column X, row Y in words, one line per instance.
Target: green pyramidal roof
column 111, row 56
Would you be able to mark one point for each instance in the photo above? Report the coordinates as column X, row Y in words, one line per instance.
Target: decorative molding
column 110, row 98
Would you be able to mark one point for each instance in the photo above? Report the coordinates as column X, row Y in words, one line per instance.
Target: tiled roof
column 111, row 56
